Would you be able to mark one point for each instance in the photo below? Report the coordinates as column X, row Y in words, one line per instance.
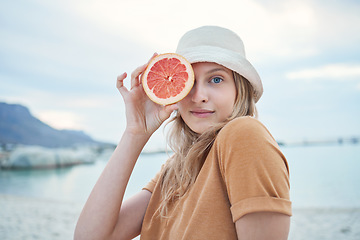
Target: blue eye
column 216, row 80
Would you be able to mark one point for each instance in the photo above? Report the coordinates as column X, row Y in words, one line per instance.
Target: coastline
column 33, row 218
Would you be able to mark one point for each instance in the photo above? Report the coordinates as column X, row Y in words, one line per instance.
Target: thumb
column 172, row 107
column 167, row 110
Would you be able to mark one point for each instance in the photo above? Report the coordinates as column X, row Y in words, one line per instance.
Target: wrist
column 135, row 137
column 130, row 145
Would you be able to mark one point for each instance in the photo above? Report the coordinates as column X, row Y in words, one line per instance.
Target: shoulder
column 245, row 141
column 244, row 129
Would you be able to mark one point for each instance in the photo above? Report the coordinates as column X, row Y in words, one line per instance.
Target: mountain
column 18, row 126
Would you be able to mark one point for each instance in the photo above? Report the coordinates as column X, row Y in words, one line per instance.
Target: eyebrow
column 216, row 70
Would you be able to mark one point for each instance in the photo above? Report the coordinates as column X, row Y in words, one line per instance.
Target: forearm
column 101, row 211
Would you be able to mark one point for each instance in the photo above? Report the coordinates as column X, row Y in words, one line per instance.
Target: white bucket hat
column 221, row 46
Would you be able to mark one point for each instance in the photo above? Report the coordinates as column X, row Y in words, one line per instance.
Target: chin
column 200, row 130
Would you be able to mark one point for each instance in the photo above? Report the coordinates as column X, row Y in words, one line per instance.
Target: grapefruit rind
column 149, row 90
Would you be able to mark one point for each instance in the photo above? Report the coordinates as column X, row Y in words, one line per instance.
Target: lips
column 202, row 113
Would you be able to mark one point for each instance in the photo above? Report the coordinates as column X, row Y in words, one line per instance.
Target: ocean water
column 320, row 177
column 324, row 176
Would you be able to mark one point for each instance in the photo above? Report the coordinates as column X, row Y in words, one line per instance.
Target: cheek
column 182, row 105
column 228, row 103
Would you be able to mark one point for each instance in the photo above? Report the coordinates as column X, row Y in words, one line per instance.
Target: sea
column 325, row 176
column 324, row 179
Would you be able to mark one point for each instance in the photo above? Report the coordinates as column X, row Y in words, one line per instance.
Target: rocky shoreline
column 38, row 157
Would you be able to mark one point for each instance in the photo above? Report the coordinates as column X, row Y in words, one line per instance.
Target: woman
column 227, row 178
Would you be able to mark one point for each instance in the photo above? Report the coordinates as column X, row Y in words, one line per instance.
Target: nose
column 199, row 93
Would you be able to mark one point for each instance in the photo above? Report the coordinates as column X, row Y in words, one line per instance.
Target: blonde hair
column 191, row 149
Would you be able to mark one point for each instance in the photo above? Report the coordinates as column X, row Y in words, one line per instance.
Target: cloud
column 53, row 46
column 338, row 72
column 159, row 24
column 61, row 119
column 58, row 57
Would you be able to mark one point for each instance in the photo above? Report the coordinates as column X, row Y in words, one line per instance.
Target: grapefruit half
column 168, row 78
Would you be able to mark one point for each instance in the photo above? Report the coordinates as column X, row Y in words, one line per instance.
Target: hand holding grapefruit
column 142, row 115
column 168, row 78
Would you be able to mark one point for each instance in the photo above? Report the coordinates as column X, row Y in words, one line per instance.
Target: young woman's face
column 212, row 98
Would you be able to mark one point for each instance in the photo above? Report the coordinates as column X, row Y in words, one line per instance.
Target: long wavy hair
column 191, row 149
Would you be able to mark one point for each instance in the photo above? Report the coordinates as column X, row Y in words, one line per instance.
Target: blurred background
column 61, row 115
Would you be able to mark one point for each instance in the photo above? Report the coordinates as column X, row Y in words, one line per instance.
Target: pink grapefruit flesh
column 168, row 78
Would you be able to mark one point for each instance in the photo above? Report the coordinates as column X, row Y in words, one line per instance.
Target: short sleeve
column 253, row 168
column 150, row 186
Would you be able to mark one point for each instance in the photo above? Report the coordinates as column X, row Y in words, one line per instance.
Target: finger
column 168, row 109
column 171, row 107
column 120, row 82
column 135, row 75
column 154, row 55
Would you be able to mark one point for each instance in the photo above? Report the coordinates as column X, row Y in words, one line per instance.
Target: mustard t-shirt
column 244, row 172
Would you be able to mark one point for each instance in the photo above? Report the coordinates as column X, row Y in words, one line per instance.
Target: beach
column 32, row 218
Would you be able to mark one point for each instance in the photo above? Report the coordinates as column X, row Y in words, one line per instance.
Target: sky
column 61, row 59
